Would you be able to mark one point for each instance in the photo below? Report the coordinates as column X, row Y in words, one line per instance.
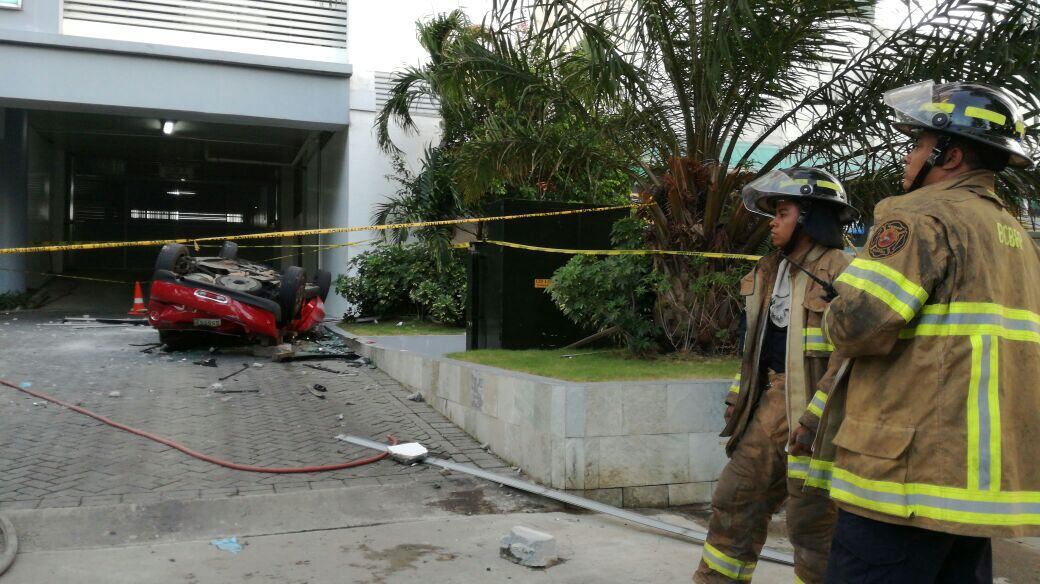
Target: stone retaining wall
column 632, row 444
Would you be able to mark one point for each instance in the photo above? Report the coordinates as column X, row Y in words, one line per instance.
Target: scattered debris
column 39, row 403
column 485, row 446
column 328, row 370
column 320, row 387
column 416, row 397
column 401, row 323
column 217, row 386
column 149, row 347
column 230, row 375
column 211, row 362
column 236, row 391
column 228, row 544
column 280, row 352
column 258, row 365
column 339, row 417
column 115, row 394
column 25, row 384
column 529, row 547
column 316, row 393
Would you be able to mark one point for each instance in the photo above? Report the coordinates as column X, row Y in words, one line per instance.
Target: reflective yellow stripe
column 996, row 436
column 1020, row 128
column 938, row 107
column 815, row 340
column 951, row 504
column 975, row 318
column 817, row 403
column 735, row 386
column 798, row 580
column 985, row 114
column 887, row 285
column 973, row 412
column 726, row 565
column 828, row 184
column 798, row 467
column 820, row 474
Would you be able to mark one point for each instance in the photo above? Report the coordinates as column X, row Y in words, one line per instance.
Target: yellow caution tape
column 617, row 252
column 304, row 232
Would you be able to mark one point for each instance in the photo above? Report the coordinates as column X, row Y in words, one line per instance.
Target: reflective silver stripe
column 816, row 401
column 910, row 500
column 984, row 421
column 741, row 569
column 796, row 466
column 912, row 302
column 1014, row 324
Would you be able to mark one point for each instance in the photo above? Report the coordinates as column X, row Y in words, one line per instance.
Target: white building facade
column 267, row 107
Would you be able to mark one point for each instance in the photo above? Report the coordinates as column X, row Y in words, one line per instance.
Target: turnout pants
column 873, row 552
column 753, row 486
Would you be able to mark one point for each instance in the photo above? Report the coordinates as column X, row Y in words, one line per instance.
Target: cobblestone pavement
column 51, row 457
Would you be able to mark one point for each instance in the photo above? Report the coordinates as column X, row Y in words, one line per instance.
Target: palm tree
column 516, row 115
column 713, row 92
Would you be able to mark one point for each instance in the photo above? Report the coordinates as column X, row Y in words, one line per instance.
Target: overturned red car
column 230, row 296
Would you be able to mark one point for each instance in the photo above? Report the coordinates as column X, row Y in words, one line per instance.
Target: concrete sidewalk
column 368, row 535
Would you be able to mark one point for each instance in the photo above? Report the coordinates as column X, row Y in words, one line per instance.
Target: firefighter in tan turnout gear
column 785, row 356
column 938, row 421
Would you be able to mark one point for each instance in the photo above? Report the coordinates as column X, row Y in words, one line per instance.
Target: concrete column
column 14, row 195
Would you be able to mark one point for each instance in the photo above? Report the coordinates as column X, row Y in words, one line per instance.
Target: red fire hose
column 199, row 455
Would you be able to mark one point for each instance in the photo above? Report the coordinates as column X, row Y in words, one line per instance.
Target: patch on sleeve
column 889, row 239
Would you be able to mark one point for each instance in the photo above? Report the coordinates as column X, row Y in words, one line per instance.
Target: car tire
column 173, row 258
column 324, row 281
column 229, row 251
column 290, row 292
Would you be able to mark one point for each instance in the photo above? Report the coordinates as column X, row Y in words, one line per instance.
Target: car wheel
column 173, row 258
column 229, row 251
column 290, row 292
column 324, row 281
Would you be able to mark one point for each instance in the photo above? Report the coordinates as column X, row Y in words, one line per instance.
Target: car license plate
column 213, row 322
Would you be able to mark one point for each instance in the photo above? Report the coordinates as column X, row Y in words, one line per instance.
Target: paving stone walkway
column 51, row 457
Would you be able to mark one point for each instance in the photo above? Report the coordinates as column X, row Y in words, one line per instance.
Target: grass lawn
column 389, row 327
column 598, row 365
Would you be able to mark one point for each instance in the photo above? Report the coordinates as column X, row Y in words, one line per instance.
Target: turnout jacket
column 807, row 351
column 937, row 422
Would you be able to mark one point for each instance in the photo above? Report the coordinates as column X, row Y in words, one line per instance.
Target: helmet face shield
column 804, row 186
column 983, row 114
column 761, row 194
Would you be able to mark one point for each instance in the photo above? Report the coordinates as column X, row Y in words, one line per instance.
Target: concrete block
column 649, row 496
column 605, row 496
column 696, row 407
column 533, row 402
column 529, row 547
column 557, row 410
column 603, row 408
column 506, row 398
column 631, row 461
column 689, row 493
column 644, row 409
column 536, row 454
column 574, row 408
column 707, row 456
column 574, row 463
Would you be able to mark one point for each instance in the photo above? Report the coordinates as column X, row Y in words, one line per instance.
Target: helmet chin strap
column 798, row 228
column 937, row 156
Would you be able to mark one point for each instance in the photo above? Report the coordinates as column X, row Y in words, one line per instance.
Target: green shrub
column 405, row 280
column 612, row 291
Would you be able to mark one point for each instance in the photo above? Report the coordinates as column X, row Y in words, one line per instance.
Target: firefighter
column 929, row 443
column 785, row 355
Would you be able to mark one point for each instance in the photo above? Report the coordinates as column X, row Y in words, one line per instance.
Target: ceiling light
column 180, row 193
column 167, row 127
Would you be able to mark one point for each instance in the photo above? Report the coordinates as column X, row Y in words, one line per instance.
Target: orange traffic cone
column 139, row 308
